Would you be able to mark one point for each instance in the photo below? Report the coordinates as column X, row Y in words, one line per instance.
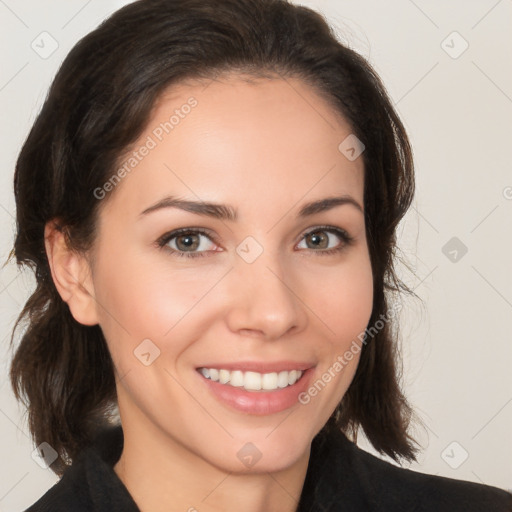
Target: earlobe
column 71, row 274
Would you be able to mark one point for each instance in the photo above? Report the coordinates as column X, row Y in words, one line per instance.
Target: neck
column 162, row 474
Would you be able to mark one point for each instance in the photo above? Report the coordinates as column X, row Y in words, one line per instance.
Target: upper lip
column 260, row 366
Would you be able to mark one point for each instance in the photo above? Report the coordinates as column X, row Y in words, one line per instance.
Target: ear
column 71, row 274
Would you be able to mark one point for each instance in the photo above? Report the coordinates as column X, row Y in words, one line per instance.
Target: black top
column 340, row 477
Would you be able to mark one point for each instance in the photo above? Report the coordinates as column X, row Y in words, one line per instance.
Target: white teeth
column 253, row 381
column 269, row 381
column 224, row 376
column 282, row 379
column 237, row 378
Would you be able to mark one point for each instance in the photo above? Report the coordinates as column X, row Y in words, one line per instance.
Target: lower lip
column 259, row 402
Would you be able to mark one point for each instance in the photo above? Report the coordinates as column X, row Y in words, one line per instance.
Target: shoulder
column 403, row 487
column 90, row 483
column 69, row 493
column 357, row 476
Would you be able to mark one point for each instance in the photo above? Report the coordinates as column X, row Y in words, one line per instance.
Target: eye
column 322, row 238
column 187, row 242
column 195, row 242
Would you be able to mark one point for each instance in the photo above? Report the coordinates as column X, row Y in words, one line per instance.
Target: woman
column 209, row 200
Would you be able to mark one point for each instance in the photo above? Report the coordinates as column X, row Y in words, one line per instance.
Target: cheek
column 138, row 301
column 344, row 300
column 345, row 304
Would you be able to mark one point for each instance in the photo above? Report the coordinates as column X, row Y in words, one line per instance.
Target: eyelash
column 167, row 237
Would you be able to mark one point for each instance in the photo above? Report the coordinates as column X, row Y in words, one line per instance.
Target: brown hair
column 100, row 102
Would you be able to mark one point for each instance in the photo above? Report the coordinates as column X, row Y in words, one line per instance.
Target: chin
column 264, row 453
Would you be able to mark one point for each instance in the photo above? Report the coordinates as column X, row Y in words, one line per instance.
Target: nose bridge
column 263, row 300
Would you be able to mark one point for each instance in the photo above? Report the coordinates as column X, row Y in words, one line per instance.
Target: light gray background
column 457, row 108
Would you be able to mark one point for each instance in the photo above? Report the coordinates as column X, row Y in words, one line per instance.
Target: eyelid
column 162, row 240
column 346, row 239
column 325, row 227
column 342, row 234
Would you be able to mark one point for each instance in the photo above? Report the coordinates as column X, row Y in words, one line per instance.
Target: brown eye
column 318, row 239
column 187, row 242
column 322, row 240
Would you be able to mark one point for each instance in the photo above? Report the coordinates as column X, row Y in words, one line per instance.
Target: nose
column 264, row 301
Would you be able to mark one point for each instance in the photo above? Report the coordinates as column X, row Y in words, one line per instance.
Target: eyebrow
column 226, row 212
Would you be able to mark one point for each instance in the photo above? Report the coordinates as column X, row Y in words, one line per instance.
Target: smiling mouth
column 252, row 381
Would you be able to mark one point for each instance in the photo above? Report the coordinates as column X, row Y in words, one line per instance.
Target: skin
column 266, row 148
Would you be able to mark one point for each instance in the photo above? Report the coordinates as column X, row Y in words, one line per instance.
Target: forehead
column 235, row 141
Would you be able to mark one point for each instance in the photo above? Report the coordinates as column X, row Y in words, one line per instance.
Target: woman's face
column 270, row 291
